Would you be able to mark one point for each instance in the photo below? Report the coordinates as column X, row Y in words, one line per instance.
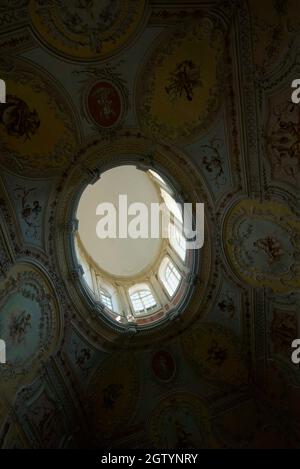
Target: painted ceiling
column 203, row 86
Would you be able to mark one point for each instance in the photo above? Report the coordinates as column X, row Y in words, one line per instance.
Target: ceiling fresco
column 201, row 90
column 37, row 132
column 184, row 72
column 263, row 244
column 87, row 30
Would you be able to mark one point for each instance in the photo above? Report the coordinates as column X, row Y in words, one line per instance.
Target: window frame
column 175, row 241
column 165, row 264
column 139, row 290
column 105, row 297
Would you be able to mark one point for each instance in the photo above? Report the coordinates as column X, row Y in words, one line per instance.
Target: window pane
column 177, row 241
column 88, row 276
column 171, row 278
column 142, row 300
column 172, row 205
column 106, row 299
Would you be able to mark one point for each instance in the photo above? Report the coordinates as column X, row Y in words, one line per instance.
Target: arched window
column 141, row 298
column 177, row 241
column 108, row 294
column 106, row 299
column 169, row 276
column 172, row 205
